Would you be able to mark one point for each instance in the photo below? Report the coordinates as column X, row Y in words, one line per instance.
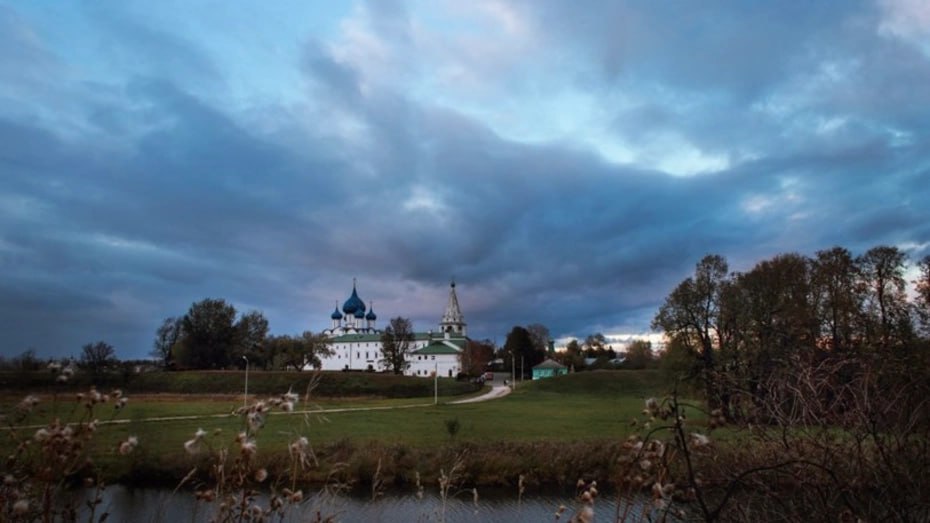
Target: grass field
column 324, row 384
column 586, row 409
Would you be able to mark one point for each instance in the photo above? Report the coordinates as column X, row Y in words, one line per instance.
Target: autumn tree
column 886, row 312
column 573, row 355
column 639, row 355
column 777, row 321
column 476, row 355
column 167, row 335
column 691, row 316
column 836, row 296
column 922, row 288
column 788, row 313
column 396, row 344
column 595, row 345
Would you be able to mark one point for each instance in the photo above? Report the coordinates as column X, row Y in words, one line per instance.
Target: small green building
column 548, row 369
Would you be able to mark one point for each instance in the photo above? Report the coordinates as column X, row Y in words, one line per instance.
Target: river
column 149, row 505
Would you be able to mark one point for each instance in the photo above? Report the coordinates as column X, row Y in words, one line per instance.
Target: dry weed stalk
column 237, row 477
column 43, row 464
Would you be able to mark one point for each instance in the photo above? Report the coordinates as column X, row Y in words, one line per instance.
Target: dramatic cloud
column 566, row 166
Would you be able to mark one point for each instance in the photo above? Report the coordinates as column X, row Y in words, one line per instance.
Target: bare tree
column 540, row 335
column 396, row 343
column 885, row 306
column 97, row 356
column 922, row 286
column 165, row 337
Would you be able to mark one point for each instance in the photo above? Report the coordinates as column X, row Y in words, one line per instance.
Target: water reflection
column 157, row 506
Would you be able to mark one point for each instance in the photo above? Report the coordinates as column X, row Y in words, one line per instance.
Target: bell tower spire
column 453, row 322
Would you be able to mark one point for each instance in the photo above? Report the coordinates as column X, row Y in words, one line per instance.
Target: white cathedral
column 356, row 340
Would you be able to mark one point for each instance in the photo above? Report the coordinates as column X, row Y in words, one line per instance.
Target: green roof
column 550, row 364
column 356, row 337
column 441, row 347
column 417, row 336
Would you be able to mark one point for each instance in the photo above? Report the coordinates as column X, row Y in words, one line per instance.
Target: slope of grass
column 642, row 383
column 587, row 412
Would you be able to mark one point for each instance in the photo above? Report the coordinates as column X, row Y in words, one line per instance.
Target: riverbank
column 616, row 430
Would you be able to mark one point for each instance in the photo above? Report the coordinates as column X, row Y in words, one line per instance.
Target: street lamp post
column 245, row 400
column 513, row 371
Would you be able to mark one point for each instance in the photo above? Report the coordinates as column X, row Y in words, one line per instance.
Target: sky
column 567, row 163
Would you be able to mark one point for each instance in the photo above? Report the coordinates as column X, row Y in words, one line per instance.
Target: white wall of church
column 366, row 354
column 446, row 365
column 357, row 355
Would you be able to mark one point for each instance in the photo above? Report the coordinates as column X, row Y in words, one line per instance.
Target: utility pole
column 436, row 384
column 513, row 370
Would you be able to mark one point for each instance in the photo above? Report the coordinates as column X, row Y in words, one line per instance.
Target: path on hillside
column 497, row 391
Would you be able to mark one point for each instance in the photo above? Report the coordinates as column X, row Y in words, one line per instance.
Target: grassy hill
column 324, row 384
column 634, row 383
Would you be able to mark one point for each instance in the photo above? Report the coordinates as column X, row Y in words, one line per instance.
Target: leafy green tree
column 315, row 346
column 252, row 329
column 208, row 335
column 595, row 345
column 294, row 352
column 639, row 355
column 677, row 361
column 283, row 352
column 396, row 344
column 540, row 336
column 98, row 356
column 520, row 350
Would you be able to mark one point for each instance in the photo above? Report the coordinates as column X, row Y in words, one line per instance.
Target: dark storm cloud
column 144, row 191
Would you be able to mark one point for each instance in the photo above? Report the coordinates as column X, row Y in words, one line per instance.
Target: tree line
column 212, row 335
column 528, row 346
column 735, row 331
